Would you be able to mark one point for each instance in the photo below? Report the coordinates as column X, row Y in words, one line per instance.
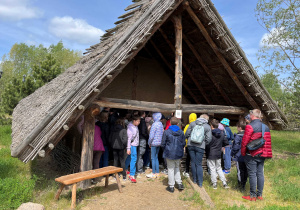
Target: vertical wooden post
column 134, row 79
column 88, row 142
column 178, row 61
column 73, row 205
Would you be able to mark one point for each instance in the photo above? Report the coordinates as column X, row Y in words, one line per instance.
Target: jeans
column 104, row 158
column 119, row 160
column 140, row 153
column 255, row 167
column 173, row 172
column 127, row 161
column 196, row 154
column 154, row 158
column 187, row 161
column 147, row 156
column 216, row 169
column 227, row 158
column 133, row 160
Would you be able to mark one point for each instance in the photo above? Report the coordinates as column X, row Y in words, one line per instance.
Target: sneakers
column 180, row 187
column 226, row 171
column 151, row 175
column 225, row 185
column 124, row 179
column 249, row 198
column 132, row 179
column 186, row 174
column 215, row 186
column 259, row 198
column 170, row 189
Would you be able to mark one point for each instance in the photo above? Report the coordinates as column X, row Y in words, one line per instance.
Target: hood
column 131, row 127
column 192, row 117
column 117, row 128
column 216, row 132
column 201, row 121
column 221, row 127
column 174, row 128
column 157, row 116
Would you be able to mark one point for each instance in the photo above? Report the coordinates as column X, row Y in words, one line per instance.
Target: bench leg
column 73, row 196
column 106, row 180
column 62, row 186
column 119, row 183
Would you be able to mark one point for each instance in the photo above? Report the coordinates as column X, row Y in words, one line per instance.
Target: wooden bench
column 81, row 176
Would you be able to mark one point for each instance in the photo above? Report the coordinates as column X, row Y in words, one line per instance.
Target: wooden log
column 73, row 205
column 178, row 61
column 87, row 144
column 188, row 70
column 220, row 56
column 207, row 71
column 160, row 107
column 171, row 68
column 134, row 79
column 62, row 186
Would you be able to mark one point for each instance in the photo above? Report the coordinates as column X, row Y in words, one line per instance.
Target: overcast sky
column 79, row 24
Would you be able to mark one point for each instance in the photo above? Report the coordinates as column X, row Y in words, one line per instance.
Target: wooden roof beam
column 173, row 70
column 205, row 68
column 186, row 68
column 161, row 107
column 220, row 56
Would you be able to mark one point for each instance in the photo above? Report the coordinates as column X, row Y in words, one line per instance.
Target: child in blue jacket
column 236, row 155
column 173, row 142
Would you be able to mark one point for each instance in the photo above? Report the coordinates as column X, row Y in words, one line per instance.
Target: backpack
column 197, row 135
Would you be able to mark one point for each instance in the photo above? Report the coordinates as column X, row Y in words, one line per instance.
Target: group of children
column 130, row 140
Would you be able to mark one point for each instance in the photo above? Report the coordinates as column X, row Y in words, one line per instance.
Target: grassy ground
column 21, row 182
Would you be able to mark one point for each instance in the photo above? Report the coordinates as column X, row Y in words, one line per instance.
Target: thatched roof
column 40, row 118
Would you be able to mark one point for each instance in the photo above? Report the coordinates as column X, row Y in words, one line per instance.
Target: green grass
column 286, row 141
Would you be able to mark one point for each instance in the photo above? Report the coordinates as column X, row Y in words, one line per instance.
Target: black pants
column 242, row 173
column 119, row 160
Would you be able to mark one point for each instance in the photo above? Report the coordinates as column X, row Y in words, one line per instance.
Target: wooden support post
column 134, row 79
column 106, row 180
column 88, row 142
column 73, row 205
column 188, row 70
column 205, row 68
column 62, row 186
column 171, row 68
column 178, row 62
column 220, row 56
column 119, row 183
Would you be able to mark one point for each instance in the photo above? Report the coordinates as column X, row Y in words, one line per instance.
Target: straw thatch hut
column 134, row 66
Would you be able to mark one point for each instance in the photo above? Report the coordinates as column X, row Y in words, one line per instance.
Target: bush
column 5, row 119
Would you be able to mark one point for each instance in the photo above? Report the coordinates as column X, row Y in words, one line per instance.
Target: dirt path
column 145, row 194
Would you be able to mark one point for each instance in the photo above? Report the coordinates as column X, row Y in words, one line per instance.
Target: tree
column 280, row 47
column 26, row 68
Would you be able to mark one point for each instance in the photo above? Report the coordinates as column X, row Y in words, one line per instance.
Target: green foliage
column 279, row 53
column 26, row 68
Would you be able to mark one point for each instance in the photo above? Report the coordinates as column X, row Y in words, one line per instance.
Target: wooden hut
column 154, row 45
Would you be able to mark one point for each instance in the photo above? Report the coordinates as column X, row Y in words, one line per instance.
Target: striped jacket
column 254, row 131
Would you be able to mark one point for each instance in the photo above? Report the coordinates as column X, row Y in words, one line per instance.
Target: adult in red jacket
column 255, row 159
